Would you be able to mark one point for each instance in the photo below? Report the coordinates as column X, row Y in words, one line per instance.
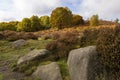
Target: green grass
column 45, row 63
column 1, row 77
column 6, row 52
column 64, row 69
column 12, row 55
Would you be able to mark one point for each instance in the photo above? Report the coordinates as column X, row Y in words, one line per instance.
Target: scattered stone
column 48, row 72
column 19, row 43
column 83, row 63
column 32, row 55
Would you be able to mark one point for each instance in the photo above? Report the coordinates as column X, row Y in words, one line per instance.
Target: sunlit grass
column 1, row 77
column 6, row 52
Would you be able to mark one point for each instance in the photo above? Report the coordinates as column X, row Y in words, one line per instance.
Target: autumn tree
column 77, row 20
column 94, row 20
column 45, row 22
column 8, row 25
column 25, row 25
column 60, row 17
column 116, row 20
column 35, row 24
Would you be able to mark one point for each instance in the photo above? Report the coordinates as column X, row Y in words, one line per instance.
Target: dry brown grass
column 51, row 33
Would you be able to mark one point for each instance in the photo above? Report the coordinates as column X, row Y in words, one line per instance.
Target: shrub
column 61, row 47
column 77, row 20
column 94, row 20
column 13, row 35
column 61, row 17
column 26, row 35
column 55, row 35
column 89, row 37
column 10, row 35
column 108, row 45
column 1, row 36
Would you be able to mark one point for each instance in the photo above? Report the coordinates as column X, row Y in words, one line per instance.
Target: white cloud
column 106, row 9
column 27, row 8
column 18, row 9
column 7, row 16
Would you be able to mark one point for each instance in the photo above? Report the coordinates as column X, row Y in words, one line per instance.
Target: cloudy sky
column 11, row 10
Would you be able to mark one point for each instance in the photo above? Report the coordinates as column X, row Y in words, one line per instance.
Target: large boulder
column 19, row 43
column 32, row 55
column 83, row 63
column 48, row 72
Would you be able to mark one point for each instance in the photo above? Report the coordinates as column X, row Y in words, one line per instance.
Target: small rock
column 48, row 72
column 19, row 43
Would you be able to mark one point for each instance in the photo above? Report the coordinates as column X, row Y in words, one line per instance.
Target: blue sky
column 11, row 10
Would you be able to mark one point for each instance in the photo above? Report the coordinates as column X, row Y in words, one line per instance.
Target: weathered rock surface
column 19, row 43
column 48, row 72
column 32, row 55
column 83, row 63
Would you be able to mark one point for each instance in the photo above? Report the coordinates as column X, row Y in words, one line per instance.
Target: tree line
column 60, row 17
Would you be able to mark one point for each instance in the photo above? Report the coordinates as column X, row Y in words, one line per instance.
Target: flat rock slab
column 82, row 63
column 32, row 55
column 48, row 72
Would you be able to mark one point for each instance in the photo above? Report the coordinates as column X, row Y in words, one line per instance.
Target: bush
column 26, row 35
column 107, row 41
column 61, row 17
column 89, row 37
column 61, row 47
column 108, row 45
column 77, row 20
column 10, row 35
column 1, row 36
column 13, row 35
column 94, row 20
column 55, row 35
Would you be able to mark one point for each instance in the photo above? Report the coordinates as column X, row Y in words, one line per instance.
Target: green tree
column 94, row 20
column 25, row 25
column 45, row 22
column 61, row 17
column 8, row 26
column 35, row 24
column 77, row 20
column 116, row 20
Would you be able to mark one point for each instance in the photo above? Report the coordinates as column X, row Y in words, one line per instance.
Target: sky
column 12, row 10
